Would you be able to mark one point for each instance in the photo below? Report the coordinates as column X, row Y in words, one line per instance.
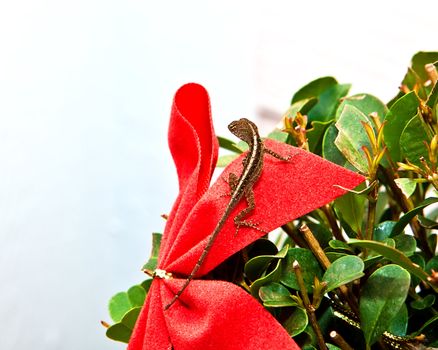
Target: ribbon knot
column 163, row 274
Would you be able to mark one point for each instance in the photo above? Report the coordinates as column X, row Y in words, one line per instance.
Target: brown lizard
column 241, row 186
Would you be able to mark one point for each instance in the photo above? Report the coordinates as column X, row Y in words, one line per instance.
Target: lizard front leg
column 276, row 155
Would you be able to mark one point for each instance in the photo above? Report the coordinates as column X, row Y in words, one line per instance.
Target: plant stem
column 328, row 212
column 310, row 309
column 314, row 246
column 316, row 249
column 339, row 341
column 291, row 232
column 371, row 217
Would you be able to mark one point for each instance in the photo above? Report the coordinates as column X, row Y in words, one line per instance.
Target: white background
column 85, row 93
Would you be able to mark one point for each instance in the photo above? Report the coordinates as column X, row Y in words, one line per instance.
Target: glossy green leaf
column 366, row 103
column 119, row 305
column 406, row 185
column 423, row 303
column 339, row 245
column 352, row 136
column 391, row 254
column 333, row 256
column 297, row 322
column 344, row 270
column 328, row 102
column 417, row 259
column 379, row 305
column 257, row 266
column 151, row 265
column 329, row 150
column 276, row 295
column 383, row 230
column 405, row 243
column 432, row 264
column 314, row 89
column 350, row 208
column 123, row 302
column 405, row 219
column 332, row 347
column 396, row 119
column 399, row 324
column 309, row 268
column 315, row 135
column 427, row 223
column 228, row 145
column 412, row 140
column 119, row 332
column 303, row 106
column 122, row 330
column 136, row 295
column 273, row 276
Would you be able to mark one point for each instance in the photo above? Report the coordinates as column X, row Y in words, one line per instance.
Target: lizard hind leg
column 239, row 218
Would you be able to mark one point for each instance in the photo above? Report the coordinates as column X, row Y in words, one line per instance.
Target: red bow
column 216, row 314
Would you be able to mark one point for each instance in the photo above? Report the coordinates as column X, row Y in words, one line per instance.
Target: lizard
column 241, row 186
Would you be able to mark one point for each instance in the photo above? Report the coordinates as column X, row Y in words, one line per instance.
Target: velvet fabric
column 216, row 314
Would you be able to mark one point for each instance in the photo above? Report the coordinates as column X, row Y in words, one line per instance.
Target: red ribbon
column 216, row 314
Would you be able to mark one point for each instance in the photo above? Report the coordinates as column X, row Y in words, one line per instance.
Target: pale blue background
column 85, row 93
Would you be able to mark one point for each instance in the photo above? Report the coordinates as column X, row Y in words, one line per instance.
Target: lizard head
column 244, row 129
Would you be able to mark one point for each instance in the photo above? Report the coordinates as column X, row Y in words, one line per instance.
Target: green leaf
column 122, row 330
column 276, row 295
column 302, row 106
column 429, row 329
column 379, row 305
column 224, row 160
column 333, row 256
column 297, row 322
column 123, row 302
column 273, row 276
column 432, row 264
column 136, row 295
column 399, row 324
column 350, row 208
column 406, row 244
column 151, row 265
column 426, row 302
column 352, row 136
column 420, row 59
column 412, row 140
column 391, row 254
column 405, row 219
column 332, row 347
column 344, row 270
column 119, row 332
column 366, row 103
column 406, row 185
column 383, row 230
column 329, row 149
column 228, row 145
column 314, row 89
column 427, row 223
column 315, row 135
column 339, row 245
column 119, row 305
column 257, row 266
column 309, row 268
column 421, row 263
column 328, row 101
column 278, row 135
column 396, row 119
